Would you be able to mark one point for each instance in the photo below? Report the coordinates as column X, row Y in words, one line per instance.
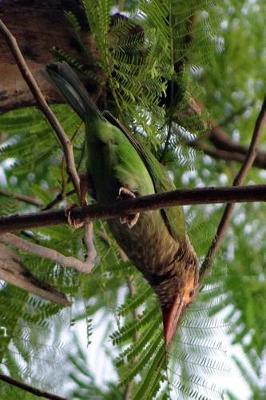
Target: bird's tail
column 72, row 89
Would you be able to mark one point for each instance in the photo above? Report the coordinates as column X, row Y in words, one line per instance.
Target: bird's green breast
column 114, row 163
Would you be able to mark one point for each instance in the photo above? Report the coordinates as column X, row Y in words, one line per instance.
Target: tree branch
column 239, row 179
column 20, row 197
column 236, row 113
column 225, row 149
column 14, row 272
column 57, row 200
column 91, row 251
column 225, row 155
column 70, row 165
column 43, row 106
column 119, row 208
column 30, row 389
column 42, row 27
column 50, row 254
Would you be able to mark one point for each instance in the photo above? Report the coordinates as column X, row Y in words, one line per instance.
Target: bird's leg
column 84, row 188
column 130, row 220
column 72, row 222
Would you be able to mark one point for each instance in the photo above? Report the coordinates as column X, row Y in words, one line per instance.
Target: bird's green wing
column 75, row 93
column 173, row 216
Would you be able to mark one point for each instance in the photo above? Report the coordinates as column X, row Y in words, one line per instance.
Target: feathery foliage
column 156, row 59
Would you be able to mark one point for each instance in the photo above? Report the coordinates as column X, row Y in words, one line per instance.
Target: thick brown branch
column 42, row 104
column 222, row 141
column 30, row 389
column 219, row 154
column 239, row 179
column 131, row 206
column 43, row 26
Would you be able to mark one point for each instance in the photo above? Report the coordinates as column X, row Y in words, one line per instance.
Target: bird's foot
column 72, row 222
column 132, row 219
column 85, row 187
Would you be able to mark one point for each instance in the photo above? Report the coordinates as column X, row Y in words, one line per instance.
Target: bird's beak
column 171, row 316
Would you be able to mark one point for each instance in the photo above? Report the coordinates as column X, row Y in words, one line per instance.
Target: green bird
column 120, row 167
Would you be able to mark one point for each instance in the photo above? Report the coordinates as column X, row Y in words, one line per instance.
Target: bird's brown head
column 173, row 312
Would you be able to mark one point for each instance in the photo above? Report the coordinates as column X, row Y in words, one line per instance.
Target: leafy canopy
column 156, row 59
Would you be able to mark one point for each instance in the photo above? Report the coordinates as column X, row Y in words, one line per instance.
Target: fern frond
column 98, row 15
column 132, row 304
column 155, row 377
column 135, row 350
column 154, row 347
column 131, row 327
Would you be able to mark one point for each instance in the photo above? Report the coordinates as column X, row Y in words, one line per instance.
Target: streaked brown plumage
column 169, row 266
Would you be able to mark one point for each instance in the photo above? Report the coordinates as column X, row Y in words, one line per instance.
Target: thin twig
column 42, row 104
column 236, row 113
column 57, row 200
column 45, row 252
column 104, row 237
column 30, row 389
column 167, row 141
column 211, row 195
column 21, row 197
column 239, row 179
column 91, row 251
column 67, row 149
column 13, row 271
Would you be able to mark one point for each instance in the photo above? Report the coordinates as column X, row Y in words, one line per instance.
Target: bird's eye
column 191, row 293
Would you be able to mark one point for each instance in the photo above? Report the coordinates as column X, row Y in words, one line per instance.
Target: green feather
column 173, row 216
column 115, row 156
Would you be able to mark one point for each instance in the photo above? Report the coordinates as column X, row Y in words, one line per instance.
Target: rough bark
column 37, row 26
